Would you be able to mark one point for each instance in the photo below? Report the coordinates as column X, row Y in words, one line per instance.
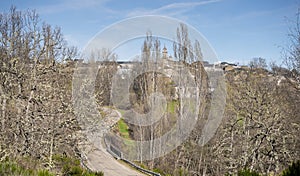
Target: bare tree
column 182, row 46
column 292, row 52
column 256, row 134
column 34, row 87
column 106, row 60
column 258, row 63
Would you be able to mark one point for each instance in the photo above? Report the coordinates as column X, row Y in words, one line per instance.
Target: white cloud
column 173, row 9
column 70, row 5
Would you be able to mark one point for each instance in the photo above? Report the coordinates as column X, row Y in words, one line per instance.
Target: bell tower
column 165, row 52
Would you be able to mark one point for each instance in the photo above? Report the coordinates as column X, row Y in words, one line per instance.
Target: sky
column 238, row 30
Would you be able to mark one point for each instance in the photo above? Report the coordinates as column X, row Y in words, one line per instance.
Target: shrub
column 44, row 173
column 292, row 170
column 11, row 168
column 247, row 172
column 66, row 166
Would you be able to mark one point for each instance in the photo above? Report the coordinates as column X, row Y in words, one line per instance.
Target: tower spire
column 165, row 52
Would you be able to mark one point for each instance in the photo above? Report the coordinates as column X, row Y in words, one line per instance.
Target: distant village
column 225, row 66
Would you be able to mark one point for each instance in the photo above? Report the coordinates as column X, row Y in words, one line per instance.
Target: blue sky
column 238, row 30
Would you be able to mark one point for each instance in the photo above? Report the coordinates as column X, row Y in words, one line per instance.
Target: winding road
column 98, row 159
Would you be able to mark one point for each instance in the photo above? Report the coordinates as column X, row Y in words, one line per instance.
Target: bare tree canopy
column 23, row 36
column 258, row 63
column 292, row 52
column 183, row 47
column 36, row 114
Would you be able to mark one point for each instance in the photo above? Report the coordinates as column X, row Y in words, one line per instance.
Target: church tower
column 165, row 52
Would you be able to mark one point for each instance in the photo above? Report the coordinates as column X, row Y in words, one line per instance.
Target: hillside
column 259, row 129
column 66, row 116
